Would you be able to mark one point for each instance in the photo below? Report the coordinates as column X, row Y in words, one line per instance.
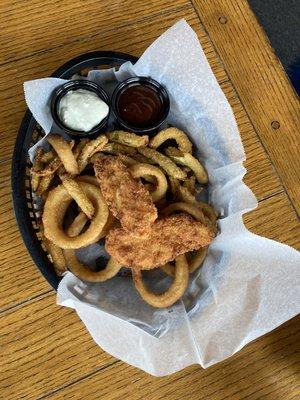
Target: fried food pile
column 137, row 194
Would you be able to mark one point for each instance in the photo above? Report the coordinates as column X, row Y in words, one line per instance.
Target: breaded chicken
column 126, row 197
column 168, row 238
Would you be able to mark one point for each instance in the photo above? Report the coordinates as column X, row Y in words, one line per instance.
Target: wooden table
column 45, row 349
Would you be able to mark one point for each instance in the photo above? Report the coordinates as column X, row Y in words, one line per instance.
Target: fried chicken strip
column 168, row 238
column 126, row 197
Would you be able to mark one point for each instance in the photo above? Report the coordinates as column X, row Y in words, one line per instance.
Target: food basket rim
column 24, row 214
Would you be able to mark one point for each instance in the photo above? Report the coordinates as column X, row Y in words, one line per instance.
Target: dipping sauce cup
column 59, row 103
column 140, row 105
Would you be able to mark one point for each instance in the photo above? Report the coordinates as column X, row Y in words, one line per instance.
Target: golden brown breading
column 168, row 238
column 126, row 197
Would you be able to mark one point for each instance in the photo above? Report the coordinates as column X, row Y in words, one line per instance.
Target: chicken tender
column 168, row 238
column 127, row 198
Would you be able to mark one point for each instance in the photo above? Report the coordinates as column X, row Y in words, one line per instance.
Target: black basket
column 29, row 134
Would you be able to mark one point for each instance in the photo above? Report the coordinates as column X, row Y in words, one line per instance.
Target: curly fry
column 143, row 170
column 166, row 163
column 64, row 152
column 77, row 225
column 117, row 148
column 89, row 179
column 175, row 291
column 128, row 138
column 184, row 144
column 47, row 170
column 38, row 165
column 44, row 184
column 47, row 157
column 185, row 207
column 57, row 255
column 208, row 211
column 186, row 196
column 91, row 148
column 188, row 160
column 190, row 184
column 142, row 159
column 79, row 147
column 128, row 161
column 74, row 189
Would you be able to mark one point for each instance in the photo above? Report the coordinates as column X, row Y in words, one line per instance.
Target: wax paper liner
column 248, row 285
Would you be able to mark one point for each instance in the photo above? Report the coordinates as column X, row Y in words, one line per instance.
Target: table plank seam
column 74, row 382
column 9, row 309
column 236, row 381
column 168, row 11
column 246, row 111
column 269, row 154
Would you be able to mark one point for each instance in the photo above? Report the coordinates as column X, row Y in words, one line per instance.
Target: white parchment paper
column 247, row 286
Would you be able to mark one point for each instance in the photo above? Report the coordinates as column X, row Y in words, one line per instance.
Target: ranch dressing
column 82, row 110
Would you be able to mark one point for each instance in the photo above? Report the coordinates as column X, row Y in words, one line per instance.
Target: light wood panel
column 241, row 377
column 267, row 220
column 44, row 346
column 260, row 82
column 41, row 28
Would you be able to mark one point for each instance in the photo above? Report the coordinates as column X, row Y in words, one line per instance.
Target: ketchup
column 140, row 106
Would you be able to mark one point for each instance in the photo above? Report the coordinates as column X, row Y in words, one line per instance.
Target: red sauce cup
column 140, row 105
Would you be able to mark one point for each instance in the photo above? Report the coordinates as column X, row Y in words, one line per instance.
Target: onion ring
column 173, row 293
column 149, row 186
column 77, row 225
column 165, row 162
column 111, row 222
column 197, row 259
column 188, row 160
column 183, row 142
column 55, row 208
column 128, row 138
column 168, row 269
column 64, row 152
column 80, row 270
column 143, row 170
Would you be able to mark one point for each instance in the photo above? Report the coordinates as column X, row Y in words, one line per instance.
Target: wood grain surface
column 45, row 350
column 260, row 80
